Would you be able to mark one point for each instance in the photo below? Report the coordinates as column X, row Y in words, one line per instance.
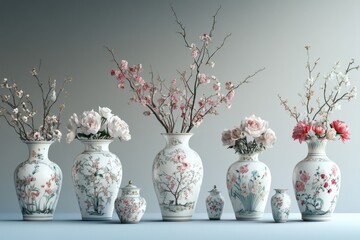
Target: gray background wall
column 69, row 37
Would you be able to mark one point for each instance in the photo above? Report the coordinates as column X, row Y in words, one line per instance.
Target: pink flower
column 113, row 72
column 301, row 131
column 326, row 185
column 322, row 176
column 244, row 169
column 194, row 53
column 90, row 122
column 226, row 138
column 342, row 129
column 299, row 186
column 229, row 86
column 268, row 139
column 124, row 65
column 334, row 170
column 333, row 181
column 203, row 78
column 192, row 66
column 254, row 126
column 330, row 190
column 216, row 87
column 205, row 38
column 331, row 134
column 305, row 177
column 318, row 130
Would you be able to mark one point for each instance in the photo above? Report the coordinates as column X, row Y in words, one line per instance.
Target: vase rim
column 96, row 140
column 35, row 142
column 281, row 189
column 177, row 134
column 316, row 140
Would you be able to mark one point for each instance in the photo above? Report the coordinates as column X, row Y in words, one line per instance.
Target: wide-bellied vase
column 38, row 183
column 96, row 175
column 316, row 181
column 248, row 182
column 177, row 178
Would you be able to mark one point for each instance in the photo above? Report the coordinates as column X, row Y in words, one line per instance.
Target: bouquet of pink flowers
column 254, row 127
column 188, row 99
column 94, row 125
column 314, row 122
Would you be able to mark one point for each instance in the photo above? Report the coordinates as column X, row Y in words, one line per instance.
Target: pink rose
column 342, row 129
column 301, row 131
column 268, row 139
column 226, row 138
column 254, row 126
column 235, row 134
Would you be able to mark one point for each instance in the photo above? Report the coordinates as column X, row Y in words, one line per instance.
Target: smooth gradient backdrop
column 69, row 37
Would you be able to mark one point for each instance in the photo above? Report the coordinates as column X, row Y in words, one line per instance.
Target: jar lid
column 214, row 190
column 130, row 189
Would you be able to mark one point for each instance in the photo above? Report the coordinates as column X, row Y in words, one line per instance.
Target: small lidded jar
column 130, row 207
column 214, row 204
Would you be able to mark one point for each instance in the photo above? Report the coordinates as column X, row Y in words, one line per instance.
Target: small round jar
column 214, row 204
column 130, row 207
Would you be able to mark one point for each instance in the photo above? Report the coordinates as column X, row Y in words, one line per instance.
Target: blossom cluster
column 304, row 131
column 97, row 125
column 186, row 99
column 258, row 129
column 19, row 112
column 314, row 121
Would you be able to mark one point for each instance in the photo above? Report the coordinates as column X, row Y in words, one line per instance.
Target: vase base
column 96, row 218
column 214, row 218
column 316, row 218
column 38, row 218
column 176, row 218
column 249, row 217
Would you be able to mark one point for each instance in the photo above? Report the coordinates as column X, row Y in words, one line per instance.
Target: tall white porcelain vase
column 316, row 181
column 38, row 183
column 177, row 178
column 248, row 182
column 96, row 175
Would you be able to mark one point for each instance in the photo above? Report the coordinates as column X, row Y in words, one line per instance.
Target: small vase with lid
column 130, row 207
column 215, row 204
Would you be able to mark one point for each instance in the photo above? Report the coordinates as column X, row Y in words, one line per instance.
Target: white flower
column 211, row 64
column 15, row 111
column 24, row 119
column 57, row 134
column 90, row 122
column 268, row 139
column 331, row 134
column 70, row 136
column 254, row 126
column 118, row 128
column 19, row 93
column 105, row 112
column 53, row 96
column 37, row 136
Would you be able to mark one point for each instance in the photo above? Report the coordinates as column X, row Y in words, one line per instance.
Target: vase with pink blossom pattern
column 316, row 181
column 177, row 177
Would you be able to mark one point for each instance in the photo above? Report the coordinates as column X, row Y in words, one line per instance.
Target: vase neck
column 249, row 157
column 281, row 191
column 38, row 150
column 316, row 147
column 96, row 145
column 173, row 139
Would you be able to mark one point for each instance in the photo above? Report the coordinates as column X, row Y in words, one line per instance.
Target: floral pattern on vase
column 280, row 205
column 130, row 207
column 97, row 177
column 177, row 178
column 215, row 204
column 38, row 183
column 316, row 182
column 248, row 183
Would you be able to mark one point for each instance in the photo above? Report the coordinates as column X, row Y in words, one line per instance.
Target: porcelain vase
column 215, row 204
column 130, row 207
column 38, row 183
column 280, row 205
column 96, row 175
column 316, row 181
column 177, row 178
column 248, row 183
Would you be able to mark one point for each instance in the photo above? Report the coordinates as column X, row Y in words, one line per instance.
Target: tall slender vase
column 38, row 183
column 97, row 175
column 316, row 181
column 248, row 182
column 177, row 178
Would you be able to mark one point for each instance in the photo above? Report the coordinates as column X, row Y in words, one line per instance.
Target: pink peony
column 342, row 129
column 301, row 131
column 299, row 186
column 318, row 130
column 226, row 138
column 305, row 177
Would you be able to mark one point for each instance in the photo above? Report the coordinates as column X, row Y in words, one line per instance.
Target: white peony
column 331, row 134
column 118, row 128
column 90, row 122
column 70, row 136
column 268, row 139
column 105, row 112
